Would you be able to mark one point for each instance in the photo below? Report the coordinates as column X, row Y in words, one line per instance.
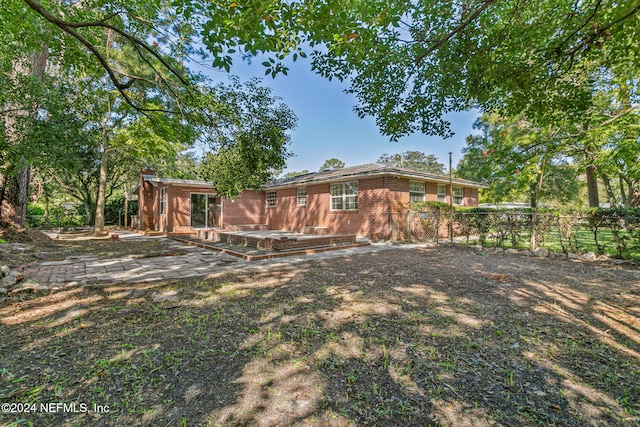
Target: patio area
column 262, row 244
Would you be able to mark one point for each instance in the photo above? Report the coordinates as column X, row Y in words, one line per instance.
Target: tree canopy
column 559, row 63
column 521, row 161
column 408, row 62
column 332, row 164
column 250, row 137
column 414, row 160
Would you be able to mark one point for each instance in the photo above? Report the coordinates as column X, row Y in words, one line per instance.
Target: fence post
column 451, row 200
column 534, row 218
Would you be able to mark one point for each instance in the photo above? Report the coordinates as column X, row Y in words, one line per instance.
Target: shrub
column 57, row 216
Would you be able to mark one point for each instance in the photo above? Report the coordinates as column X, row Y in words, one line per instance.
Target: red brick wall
column 146, row 206
column 249, row 208
column 470, row 196
column 179, row 204
column 431, row 192
column 377, row 198
column 370, row 219
column 286, row 214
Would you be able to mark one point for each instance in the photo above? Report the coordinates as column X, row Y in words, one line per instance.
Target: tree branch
column 70, row 28
column 462, row 26
column 604, row 29
column 617, row 116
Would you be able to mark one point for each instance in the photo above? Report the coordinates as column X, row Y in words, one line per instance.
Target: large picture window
column 344, row 196
column 416, row 191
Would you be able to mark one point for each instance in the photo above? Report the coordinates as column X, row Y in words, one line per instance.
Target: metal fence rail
column 615, row 232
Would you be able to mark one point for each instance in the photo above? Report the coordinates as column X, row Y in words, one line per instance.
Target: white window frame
column 162, row 202
column 442, row 193
column 271, row 197
column 416, row 191
column 458, row 196
column 301, row 196
column 344, row 196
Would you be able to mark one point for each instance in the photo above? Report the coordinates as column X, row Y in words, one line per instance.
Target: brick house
column 357, row 200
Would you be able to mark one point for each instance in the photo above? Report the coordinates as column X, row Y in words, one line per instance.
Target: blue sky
column 328, row 127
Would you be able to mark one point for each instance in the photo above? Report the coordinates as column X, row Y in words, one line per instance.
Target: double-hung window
column 344, row 196
column 416, row 191
column 442, row 193
column 458, row 196
column 302, row 196
column 271, row 199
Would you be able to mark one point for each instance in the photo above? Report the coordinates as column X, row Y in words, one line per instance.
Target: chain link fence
column 424, row 227
column 614, row 232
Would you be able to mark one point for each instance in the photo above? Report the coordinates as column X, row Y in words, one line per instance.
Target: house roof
column 176, row 182
column 154, row 180
column 367, row 171
column 362, row 171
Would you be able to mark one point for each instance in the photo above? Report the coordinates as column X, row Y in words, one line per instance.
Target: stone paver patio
column 197, row 262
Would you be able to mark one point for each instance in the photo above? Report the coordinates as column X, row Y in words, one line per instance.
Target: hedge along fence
column 615, row 232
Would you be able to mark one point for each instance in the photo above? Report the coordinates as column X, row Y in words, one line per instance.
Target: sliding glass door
column 205, row 210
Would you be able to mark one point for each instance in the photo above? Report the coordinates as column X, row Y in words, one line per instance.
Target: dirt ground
column 442, row 336
column 34, row 246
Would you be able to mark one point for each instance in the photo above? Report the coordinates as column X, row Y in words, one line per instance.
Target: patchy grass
column 39, row 247
column 442, row 336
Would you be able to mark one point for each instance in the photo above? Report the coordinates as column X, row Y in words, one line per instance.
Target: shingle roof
column 173, row 181
column 334, row 175
column 177, row 182
column 367, row 170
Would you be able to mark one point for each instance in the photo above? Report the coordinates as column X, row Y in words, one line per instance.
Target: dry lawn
column 445, row 336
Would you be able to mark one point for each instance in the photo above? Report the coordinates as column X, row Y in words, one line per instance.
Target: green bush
column 35, row 209
column 114, row 209
column 57, row 216
column 425, row 206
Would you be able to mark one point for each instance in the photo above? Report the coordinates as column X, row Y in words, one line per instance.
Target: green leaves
column 248, row 134
column 414, row 160
column 511, row 154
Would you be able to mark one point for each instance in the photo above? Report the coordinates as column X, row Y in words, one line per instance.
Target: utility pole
column 450, row 201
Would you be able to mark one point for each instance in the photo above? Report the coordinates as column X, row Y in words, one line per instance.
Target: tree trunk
column 102, row 187
column 89, row 211
column 17, row 198
column 535, row 196
column 635, row 200
column 3, row 186
column 613, row 201
column 22, row 194
column 592, row 187
column 627, row 195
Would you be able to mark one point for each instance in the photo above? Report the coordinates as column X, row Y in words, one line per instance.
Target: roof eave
column 373, row 174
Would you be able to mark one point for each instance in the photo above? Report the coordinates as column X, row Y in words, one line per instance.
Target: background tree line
column 81, row 82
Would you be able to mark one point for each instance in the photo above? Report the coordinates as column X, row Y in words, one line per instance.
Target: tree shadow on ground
column 445, row 336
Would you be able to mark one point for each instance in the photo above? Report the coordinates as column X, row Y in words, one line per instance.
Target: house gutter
column 393, row 174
